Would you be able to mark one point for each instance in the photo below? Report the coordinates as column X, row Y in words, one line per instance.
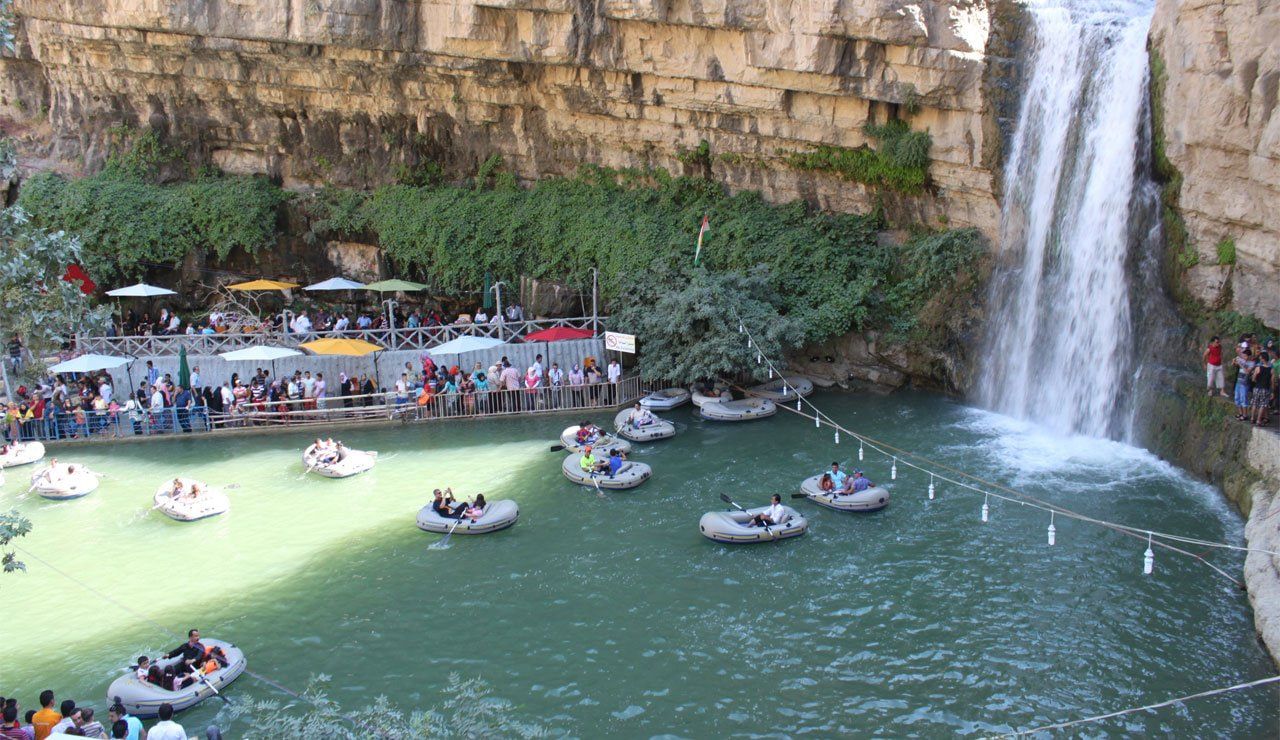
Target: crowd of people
column 1254, row 394
column 65, row 407
column 317, row 320
column 67, row 718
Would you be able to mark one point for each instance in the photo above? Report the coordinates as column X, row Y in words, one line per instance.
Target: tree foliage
column 470, row 710
column 40, row 306
column 688, row 321
column 899, row 163
column 128, row 223
column 12, row 526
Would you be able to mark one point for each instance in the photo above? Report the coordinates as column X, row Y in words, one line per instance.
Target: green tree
column 686, row 320
column 39, row 306
column 12, row 526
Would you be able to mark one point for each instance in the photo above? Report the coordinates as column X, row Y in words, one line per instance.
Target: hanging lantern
column 859, row 449
column 797, row 404
column 837, row 436
column 785, row 389
column 931, row 486
column 1053, row 532
column 1148, row 558
column 771, row 375
column 986, row 510
column 748, row 342
column 893, row 472
column 817, row 423
column 759, row 358
column 741, row 328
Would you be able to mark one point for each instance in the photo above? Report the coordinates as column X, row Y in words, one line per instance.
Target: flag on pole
column 706, row 226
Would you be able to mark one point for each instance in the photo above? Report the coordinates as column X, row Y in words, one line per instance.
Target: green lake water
column 615, row 617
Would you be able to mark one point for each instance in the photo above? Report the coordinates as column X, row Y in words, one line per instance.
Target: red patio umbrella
column 558, row 334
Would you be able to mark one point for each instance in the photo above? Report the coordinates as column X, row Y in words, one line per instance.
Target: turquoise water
column 613, row 616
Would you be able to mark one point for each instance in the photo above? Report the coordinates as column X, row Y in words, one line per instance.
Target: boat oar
column 445, row 541
column 799, row 495
column 200, row 675
column 596, row 481
column 557, row 448
column 725, row 498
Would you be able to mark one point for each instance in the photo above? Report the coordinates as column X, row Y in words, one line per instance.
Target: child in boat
column 476, row 509
column 825, row 484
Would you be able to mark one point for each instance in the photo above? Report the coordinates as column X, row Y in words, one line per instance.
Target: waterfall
column 1064, row 297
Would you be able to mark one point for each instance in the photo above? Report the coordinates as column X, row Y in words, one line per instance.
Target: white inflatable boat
column 349, row 462
column 783, row 389
column 188, row 508
column 734, row 526
column 22, row 453
column 874, row 498
column 658, row 429
column 630, row 475
column 667, row 398
column 143, row 699
column 57, row 482
column 714, row 396
column 745, row 410
column 606, row 441
column 497, row 515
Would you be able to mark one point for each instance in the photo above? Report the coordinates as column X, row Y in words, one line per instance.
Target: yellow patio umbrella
column 262, row 285
column 348, row 347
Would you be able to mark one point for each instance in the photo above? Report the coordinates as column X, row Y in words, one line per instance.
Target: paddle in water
column 725, row 498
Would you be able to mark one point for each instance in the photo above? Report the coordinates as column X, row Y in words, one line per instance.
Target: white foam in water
column 1059, row 351
column 1036, row 457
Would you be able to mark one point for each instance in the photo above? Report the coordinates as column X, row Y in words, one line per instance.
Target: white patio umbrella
column 260, row 353
column 141, row 290
column 335, row 283
column 465, row 344
column 89, row 363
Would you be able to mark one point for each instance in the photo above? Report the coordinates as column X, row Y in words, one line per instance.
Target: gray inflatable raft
column 874, row 498
column 658, row 429
column 733, row 527
column 667, row 398
column 783, row 389
column 143, row 700
column 747, row 409
column 606, row 441
column 498, row 515
column 630, row 475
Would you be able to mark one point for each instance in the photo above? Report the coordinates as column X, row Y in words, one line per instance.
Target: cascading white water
column 1060, row 346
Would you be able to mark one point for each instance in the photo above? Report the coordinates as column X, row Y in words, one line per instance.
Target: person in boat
column 639, row 416
column 476, row 509
column 588, row 463
column 215, row 659
column 446, row 506
column 175, row 492
column 825, row 484
column 154, row 676
column 194, row 493
column 144, row 667
column 856, row 483
column 726, row 396
column 172, row 680
column 775, row 514
column 190, row 651
column 838, row 476
column 614, row 463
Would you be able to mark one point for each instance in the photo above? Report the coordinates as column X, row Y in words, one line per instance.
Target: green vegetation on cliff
column 900, row 163
column 831, row 272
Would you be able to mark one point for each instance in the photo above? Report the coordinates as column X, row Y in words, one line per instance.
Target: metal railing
column 334, row 410
column 423, row 337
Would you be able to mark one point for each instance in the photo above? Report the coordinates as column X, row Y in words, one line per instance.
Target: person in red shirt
column 1213, row 367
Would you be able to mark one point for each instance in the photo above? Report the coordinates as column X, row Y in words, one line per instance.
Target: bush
column 1227, row 251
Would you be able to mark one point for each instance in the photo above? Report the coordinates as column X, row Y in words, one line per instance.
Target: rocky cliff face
column 352, row 91
column 1221, row 128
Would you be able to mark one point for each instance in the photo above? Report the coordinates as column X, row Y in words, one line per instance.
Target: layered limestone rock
column 357, row 91
column 1221, row 128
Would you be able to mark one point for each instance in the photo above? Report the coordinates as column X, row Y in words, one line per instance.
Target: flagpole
column 701, row 230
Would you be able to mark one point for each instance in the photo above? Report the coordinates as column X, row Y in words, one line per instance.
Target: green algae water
column 615, row 617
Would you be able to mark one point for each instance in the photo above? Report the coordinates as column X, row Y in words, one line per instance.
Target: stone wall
column 1221, row 129
column 352, row 91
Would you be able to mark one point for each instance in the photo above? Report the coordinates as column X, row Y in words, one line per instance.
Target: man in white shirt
column 174, row 323
column 104, row 390
column 615, row 376
column 166, row 728
column 774, row 515
column 195, row 377
column 342, row 323
column 228, row 398
column 308, row 385
column 402, row 390
column 537, row 368
column 301, row 324
column 364, row 322
column 481, row 316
